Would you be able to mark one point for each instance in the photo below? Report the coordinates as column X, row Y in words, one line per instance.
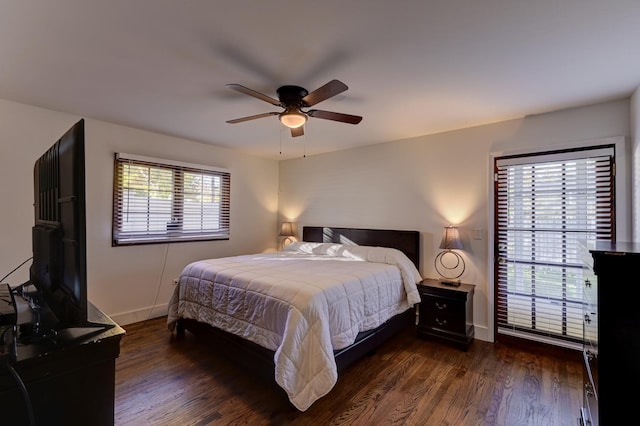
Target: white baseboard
column 481, row 333
column 130, row 317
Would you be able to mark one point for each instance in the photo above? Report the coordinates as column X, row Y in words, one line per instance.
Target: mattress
column 302, row 303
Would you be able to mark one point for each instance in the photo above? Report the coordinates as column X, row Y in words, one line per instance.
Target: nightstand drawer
column 443, row 313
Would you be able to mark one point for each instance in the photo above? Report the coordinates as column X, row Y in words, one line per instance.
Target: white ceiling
column 412, row 67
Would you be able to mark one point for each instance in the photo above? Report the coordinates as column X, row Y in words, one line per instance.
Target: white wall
column 125, row 282
column 422, row 183
column 428, row 182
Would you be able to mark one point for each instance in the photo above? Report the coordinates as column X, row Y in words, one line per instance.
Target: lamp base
column 450, row 272
column 284, row 241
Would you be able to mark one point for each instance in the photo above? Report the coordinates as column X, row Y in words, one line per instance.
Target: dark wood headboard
column 407, row 242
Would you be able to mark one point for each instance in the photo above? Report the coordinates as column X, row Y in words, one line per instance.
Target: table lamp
column 448, row 269
column 286, row 231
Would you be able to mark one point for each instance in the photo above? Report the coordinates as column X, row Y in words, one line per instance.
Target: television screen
column 59, row 270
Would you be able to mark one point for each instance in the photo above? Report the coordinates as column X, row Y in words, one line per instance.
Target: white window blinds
column 546, row 206
column 163, row 201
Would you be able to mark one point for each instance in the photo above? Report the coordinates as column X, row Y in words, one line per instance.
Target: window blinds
column 546, row 206
column 162, row 201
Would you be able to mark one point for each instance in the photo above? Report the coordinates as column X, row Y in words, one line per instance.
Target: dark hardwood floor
column 161, row 380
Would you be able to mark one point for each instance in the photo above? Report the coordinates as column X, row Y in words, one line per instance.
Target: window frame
column 174, row 231
column 618, row 218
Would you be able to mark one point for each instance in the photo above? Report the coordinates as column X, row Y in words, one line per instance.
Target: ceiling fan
column 293, row 99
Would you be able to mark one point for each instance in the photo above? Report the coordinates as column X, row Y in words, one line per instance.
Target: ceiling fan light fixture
column 293, row 118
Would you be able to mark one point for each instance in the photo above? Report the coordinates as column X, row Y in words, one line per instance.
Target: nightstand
column 446, row 312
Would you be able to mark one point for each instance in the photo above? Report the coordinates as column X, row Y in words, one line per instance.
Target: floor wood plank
column 161, row 380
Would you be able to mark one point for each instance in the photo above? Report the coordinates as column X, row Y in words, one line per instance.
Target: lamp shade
column 286, row 230
column 451, row 239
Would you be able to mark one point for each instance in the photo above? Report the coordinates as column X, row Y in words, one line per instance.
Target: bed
column 301, row 315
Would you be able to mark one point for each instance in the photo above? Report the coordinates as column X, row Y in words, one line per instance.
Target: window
column 547, row 205
column 157, row 201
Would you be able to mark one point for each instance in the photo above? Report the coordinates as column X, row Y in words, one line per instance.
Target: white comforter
column 303, row 303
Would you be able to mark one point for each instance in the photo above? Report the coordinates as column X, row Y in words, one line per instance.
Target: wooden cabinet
column 611, row 349
column 446, row 313
column 70, row 381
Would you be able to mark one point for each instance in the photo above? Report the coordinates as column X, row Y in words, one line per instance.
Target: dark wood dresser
column 69, row 381
column 611, row 334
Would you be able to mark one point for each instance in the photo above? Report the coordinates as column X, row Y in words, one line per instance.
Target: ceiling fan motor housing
column 291, row 96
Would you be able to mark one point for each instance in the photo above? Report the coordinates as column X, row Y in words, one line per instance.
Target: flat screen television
column 59, row 268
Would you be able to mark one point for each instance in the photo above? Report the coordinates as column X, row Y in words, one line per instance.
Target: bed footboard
column 260, row 361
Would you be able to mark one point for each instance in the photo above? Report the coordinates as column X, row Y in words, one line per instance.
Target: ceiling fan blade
column 252, row 117
column 298, row 131
column 240, row 88
column 335, row 116
column 330, row 89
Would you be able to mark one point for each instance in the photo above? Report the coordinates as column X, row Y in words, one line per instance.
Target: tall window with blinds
column 159, row 201
column 547, row 205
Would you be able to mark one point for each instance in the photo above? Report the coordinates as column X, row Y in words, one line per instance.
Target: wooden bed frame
column 259, row 360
